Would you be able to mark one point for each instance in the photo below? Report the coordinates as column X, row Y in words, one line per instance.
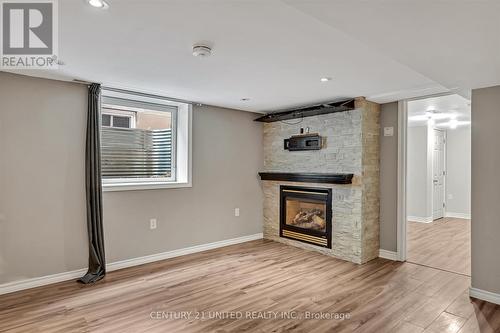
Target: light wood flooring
column 443, row 244
column 380, row 296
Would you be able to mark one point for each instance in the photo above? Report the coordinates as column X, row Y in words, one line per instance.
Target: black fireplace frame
column 312, row 193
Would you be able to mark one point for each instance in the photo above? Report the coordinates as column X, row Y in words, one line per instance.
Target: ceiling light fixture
column 453, row 123
column 325, row 79
column 245, row 99
column 98, row 4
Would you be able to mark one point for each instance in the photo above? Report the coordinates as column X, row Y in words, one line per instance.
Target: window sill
column 142, row 186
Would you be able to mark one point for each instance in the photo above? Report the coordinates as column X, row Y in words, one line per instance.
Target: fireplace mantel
column 329, row 178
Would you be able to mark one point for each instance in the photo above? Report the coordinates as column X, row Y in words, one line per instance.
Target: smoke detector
column 202, row 51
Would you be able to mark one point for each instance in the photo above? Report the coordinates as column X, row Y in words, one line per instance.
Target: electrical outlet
column 152, row 224
column 236, row 212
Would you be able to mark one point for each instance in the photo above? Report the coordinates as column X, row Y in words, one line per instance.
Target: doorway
column 437, row 186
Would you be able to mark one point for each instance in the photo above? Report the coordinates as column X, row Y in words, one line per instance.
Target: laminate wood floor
column 272, row 286
column 443, row 244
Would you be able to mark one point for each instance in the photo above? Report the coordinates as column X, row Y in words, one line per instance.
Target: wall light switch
column 388, row 131
column 152, row 224
column 236, row 212
column 450, row 196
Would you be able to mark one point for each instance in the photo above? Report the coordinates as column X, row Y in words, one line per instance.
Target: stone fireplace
column 326, row 200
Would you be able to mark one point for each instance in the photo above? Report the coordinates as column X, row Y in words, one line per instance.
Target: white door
column 438, row 174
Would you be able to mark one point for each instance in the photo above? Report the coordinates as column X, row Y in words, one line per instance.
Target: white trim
column 401, row 201
column 141, row 96
column 458, row 215
column 484, row 295
column 183, row 159
column 109, row 187
column 65, row 276
column 421, row 219
column 184, row 164
column 391, row 255
column 11, row 287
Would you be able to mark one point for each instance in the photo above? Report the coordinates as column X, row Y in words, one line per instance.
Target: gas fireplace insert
column 306, row 214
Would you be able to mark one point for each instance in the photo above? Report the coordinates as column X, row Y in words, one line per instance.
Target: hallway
column 442, row 244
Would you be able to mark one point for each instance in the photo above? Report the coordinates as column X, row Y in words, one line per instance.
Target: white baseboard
column 11, row 287
column 458, row 215
column 421, row 219
column 388, row 255
column 484, row 295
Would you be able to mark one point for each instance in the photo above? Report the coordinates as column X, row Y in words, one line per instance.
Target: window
column 118, row 118
column 145, row 142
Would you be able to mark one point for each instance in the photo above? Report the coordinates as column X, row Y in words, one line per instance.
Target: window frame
column 176, row 180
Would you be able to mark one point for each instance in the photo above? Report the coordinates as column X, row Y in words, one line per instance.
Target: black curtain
column 97, row 263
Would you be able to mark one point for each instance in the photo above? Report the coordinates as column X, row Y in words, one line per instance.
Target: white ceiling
column 455, row 43
column 443, row 108
column 275, row 52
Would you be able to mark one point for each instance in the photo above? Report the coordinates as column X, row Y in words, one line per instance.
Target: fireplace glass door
column 306, row 214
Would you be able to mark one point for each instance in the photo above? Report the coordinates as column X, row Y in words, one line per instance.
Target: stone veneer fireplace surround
column 351, row 146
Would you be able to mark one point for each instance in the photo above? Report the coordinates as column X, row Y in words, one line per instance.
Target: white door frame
column 402, row 173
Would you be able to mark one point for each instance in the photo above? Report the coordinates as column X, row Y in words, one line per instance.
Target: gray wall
column 418, row 175
column 42, row 195
column 42, row 199
column 388, row 177
column 485, row 209
column 227, row 155
column 458, row 169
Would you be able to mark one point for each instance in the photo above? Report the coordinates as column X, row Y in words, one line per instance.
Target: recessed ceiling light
column 245, row 99
column 98, row 4
column 325, row 79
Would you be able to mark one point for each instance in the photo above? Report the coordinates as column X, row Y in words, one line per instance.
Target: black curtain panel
column 97, row 263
